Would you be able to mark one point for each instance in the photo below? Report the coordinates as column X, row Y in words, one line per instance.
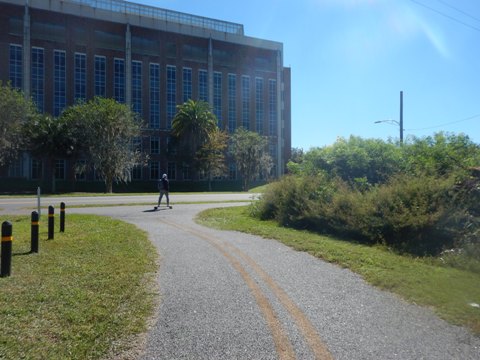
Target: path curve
column 229, row 295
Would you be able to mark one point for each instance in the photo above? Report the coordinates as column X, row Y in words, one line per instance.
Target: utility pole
column 392, row 121
column 401, row 117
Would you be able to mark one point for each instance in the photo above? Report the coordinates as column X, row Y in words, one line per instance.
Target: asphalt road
column 22, row 205
column 228, row 295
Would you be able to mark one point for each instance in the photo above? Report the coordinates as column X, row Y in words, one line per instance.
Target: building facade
column 61, row 51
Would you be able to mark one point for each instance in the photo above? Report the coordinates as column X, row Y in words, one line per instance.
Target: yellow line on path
column 309, row 332
column 283, row 345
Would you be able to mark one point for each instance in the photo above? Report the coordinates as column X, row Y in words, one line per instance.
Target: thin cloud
column 394, row 21
column 409, row 24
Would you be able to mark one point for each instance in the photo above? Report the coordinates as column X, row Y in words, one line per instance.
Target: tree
column 297, row 155
column 248, row 150
column 48, row 137
column 15, row 110
column 109, row 129
column 355, row 160
column 440, row 154
column 211, row 156
column 77, row 131
column 193, row 125
column 266, row 166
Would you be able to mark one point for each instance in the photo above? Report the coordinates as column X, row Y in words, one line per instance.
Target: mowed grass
column 87, row 294
column 448, row 291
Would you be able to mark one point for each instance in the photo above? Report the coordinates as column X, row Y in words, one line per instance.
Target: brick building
column 61, row 51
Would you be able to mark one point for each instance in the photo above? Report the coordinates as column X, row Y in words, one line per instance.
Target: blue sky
column 351, row 58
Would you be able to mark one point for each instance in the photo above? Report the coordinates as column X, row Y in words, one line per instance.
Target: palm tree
column 193, row 126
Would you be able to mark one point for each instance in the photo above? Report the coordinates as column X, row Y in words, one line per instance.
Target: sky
column 350, row 59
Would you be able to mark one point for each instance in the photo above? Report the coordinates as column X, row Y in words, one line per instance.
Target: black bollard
column 62, row 217
column 34, row 232
column 6, row 257
column 51, row 222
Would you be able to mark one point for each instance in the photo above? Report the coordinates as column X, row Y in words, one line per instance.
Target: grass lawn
column 87, row 294
column 447, row 290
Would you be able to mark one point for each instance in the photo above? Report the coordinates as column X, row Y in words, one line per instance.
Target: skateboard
column 157, row 207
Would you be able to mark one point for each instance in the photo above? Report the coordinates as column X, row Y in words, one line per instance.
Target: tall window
column 272, row 149
column 60, row 169
column 246, row 102
column 272, row 100
column 232, row 102
column 80, row 77
column 187, row 84
column 259, row 105
column 36, row 169
column 154, row 145
column 38, row 78
column 203, row 85
column 136, row 144
column 15, row 169
column 137, row 87
column 137, row 172
column 217, row 97
column 171, row 94
column 15, row 66
column 172, row 170
column 81, row 169
column 59, row 82
column 100, row 75
column 154, row 170
column 186, row 172
column 171, row 148
column 119, row 80
column 154, row 96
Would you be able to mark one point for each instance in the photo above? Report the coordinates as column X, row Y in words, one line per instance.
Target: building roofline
column 141, row 10
column 125, row 12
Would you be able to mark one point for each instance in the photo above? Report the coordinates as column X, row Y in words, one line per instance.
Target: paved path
column 26, row 204
column 227, row 295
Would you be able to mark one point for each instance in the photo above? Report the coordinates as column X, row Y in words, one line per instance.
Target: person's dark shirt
column 165, row 184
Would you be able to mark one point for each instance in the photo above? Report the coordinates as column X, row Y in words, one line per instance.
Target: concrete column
column 128, row 66
column 210, row 72
column 280, row 120
column 26, row 53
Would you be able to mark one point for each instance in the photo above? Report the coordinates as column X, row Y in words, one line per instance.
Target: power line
column 446, row 15
column 459, row 10
column 445, row 124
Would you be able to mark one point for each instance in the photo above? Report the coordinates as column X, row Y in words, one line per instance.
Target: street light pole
column 401, row 117
column 391, row 121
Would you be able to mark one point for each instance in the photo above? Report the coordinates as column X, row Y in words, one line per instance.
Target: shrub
column 422, row 215
column 290, row 200
column 411, row 214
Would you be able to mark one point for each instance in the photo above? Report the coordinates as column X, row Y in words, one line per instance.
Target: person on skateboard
column 163, row 187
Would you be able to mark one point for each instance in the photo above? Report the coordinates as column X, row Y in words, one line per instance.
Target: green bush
column 422, row 197
column 422, row 215
column 412, row 214
column 291, row 200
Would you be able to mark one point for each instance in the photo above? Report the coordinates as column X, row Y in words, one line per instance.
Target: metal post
column 51, row 222
column 6, row 257
column 34, row 232
column 62, row 217
column 38, row 202
column 401, row 117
